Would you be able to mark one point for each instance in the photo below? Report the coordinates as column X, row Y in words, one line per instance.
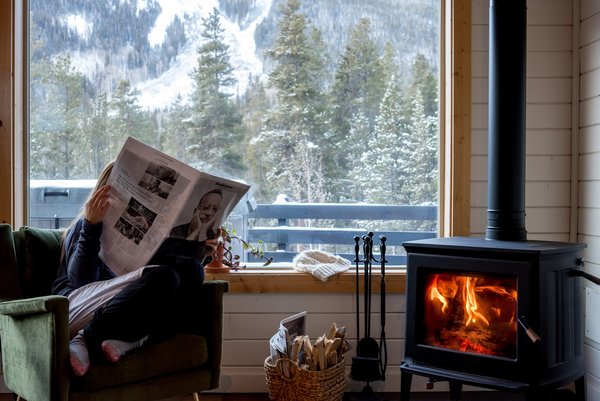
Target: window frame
column 455, row 143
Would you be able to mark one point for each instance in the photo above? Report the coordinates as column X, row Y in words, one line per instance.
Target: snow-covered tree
column 215, row 122
column 292, row 132
column 57, row 114
column 379, row 173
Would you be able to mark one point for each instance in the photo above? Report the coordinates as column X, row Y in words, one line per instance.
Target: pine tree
column 127, row 119
column 379, row 171
column 177, row 131
column 97, row 143
column 57, row 110
column 254, row 107
column 419, row 155
column 358, row 88
column 292, row 133
column 215, row 136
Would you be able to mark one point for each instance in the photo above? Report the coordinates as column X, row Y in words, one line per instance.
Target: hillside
column 153, row 43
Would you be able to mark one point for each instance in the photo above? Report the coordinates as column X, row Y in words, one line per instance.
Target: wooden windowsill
column 290, row 281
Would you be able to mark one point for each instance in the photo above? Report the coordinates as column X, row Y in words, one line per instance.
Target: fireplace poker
column 357, row 261
column 382, row 339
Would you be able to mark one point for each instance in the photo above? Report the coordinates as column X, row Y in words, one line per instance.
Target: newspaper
column 280, row 344
column 161, row 209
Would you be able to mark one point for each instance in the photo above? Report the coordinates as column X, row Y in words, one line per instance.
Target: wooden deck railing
column 296, row 226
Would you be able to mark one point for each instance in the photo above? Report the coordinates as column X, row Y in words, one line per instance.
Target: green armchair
column 35, row 341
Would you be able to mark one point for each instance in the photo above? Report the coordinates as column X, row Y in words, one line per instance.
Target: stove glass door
column 470, row 312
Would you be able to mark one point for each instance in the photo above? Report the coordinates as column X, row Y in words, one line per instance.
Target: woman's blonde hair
column 102, row 180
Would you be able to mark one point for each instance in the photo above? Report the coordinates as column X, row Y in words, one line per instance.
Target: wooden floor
column 560, row 395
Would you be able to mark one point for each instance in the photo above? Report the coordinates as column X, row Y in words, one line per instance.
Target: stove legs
column 405, row 382
column 580, row 389
column 455, row 390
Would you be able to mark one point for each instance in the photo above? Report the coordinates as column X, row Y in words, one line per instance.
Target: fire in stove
column 471, row 313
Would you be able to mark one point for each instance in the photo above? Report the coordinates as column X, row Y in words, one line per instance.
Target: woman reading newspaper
column 110, row 315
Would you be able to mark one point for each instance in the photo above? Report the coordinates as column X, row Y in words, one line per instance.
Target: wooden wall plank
column 558, row 237
column 549, row 116
column 589, row 8
column 549, row 12
column 589, row 194
column 548, row 220
column 548, row 168
column 588, row 169
column 590, row 57
column 549, row 38
column 548, row 90
column 590, row 30
column 589, row 114
column 540, row 142
column 592, row 252
column 480, row 12
column 537, row 194
column 548, row 142
column 590, row 139
column 589, row 86
column 550, row 64
column 589, row 222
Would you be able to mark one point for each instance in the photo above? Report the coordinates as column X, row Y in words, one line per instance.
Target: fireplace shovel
column 366, row 363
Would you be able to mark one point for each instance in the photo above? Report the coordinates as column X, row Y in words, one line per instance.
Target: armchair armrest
column 35, row 347
column 31, row 306
column 211, row 323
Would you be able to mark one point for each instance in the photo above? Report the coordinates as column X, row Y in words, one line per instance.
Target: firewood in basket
column 332, row 331
column 319, row 350
column 332, row 359
column 296, row 348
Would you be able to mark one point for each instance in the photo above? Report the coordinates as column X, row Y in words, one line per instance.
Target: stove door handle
column 528, row 330
column 581, row 273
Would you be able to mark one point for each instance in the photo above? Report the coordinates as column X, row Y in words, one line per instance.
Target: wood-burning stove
column 496, row 314
column 501, row 311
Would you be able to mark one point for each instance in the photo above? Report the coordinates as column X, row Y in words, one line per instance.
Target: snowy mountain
column 154, row 43
column 176, row 80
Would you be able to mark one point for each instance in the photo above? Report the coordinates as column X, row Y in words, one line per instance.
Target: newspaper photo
column 162, row 210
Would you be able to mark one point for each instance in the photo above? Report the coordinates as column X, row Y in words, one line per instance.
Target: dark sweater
column 80, row 264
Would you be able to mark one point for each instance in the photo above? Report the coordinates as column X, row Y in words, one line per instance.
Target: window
column 328, row 115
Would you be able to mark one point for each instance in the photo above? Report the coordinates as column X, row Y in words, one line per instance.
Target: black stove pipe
column 506, row 122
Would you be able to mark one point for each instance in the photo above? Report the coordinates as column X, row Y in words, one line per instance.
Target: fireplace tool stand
column 370, row 361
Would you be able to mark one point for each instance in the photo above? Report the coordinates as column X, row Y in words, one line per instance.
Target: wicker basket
column 305, row 385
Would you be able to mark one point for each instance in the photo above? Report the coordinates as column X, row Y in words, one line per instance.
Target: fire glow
column 475, row 314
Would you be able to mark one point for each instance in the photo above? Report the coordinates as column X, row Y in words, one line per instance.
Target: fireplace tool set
column 370, row 361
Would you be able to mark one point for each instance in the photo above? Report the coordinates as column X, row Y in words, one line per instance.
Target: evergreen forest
column 358, row 124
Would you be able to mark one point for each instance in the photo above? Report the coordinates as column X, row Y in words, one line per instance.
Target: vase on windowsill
column 217, row 265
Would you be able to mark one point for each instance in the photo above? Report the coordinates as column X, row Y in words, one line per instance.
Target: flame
column 471, row 302
column 472, row 313
column 435, row 294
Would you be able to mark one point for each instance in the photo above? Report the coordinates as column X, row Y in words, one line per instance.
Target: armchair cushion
column 38, row 255
column 178, row 353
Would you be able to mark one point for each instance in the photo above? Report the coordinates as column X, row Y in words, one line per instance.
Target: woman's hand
column 97, row 205
column 213, row 243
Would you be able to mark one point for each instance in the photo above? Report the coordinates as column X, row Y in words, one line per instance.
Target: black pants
column 159, row 303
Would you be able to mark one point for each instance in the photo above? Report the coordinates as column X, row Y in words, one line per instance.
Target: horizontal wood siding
column 589, row 164
column 246, row 335
column 549, row 89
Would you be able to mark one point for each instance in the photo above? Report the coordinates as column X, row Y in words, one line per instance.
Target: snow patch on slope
column 162, row 91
